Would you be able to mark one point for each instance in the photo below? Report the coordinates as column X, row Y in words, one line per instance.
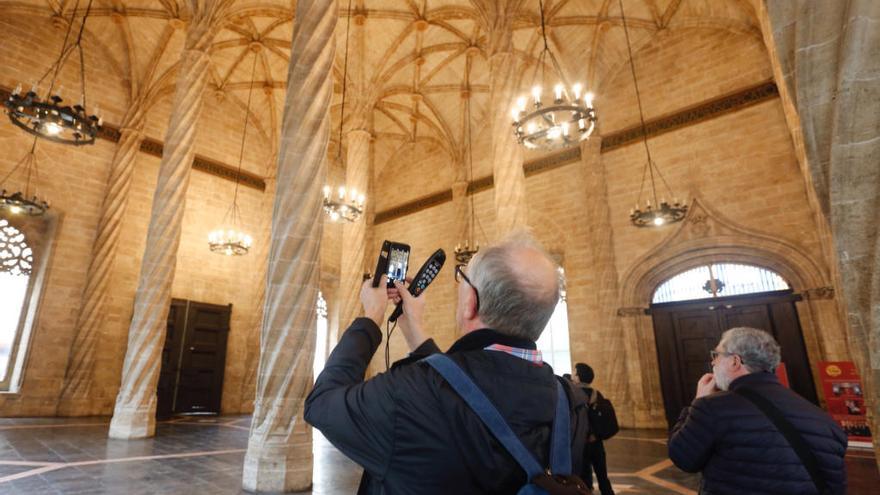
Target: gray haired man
column 408, row 428
column 749, row 434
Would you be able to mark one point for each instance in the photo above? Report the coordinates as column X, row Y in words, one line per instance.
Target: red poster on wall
column 846, row 400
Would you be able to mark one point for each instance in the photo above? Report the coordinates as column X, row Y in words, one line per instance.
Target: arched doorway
column 691, row 310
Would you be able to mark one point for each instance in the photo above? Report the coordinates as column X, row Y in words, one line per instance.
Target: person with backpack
column 747, row 433
column 486, row 416
column 603, row 425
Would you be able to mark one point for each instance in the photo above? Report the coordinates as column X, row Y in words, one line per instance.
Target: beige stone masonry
column 279, row 454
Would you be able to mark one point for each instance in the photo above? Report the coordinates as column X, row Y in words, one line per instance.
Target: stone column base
column 273, row 468
column 134, row 423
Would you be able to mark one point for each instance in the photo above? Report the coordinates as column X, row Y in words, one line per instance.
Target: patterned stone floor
column 204, row 455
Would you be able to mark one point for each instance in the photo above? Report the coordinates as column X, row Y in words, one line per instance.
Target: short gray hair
column 511, row 303
column 757, row 348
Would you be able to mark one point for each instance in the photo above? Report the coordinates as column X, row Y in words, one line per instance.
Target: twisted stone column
column 354, row 235
column 75, row 398
column 507, row 154
column 261, row 254
column 135, row 411
column 611, row 352
column 279, row 454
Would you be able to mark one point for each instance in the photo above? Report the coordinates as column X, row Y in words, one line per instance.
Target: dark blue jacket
column 412, row 433
column 739, row 450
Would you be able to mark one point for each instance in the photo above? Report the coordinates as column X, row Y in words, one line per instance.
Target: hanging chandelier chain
column 247, row 119
column 344, row 81
column 632, row 66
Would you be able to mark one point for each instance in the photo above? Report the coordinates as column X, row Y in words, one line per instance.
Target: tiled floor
column 205, row 455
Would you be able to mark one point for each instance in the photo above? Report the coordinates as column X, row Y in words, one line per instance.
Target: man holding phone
column 408, row 428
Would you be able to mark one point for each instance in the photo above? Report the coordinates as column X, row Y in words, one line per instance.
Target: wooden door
column 193, row 359
column 203, row 359
column 165, row 390
column 687, row 331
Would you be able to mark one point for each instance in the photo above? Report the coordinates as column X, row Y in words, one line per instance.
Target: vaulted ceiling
column 411, row 65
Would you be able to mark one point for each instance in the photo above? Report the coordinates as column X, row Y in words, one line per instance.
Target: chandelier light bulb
column 341, row 192
column 53, row 129
column 536, row 95
column 565, row 129
column 576, row 89
column 361, row 199
column 557, row 91
column 658, row 221
column 326, row 191
column 588, row 99
column 15, row 210
column 521, row 103
column 515, row 114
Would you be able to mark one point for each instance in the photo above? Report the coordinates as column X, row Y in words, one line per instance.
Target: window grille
column 719, row 280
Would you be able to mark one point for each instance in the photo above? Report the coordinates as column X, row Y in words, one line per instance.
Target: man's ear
column 470, row 305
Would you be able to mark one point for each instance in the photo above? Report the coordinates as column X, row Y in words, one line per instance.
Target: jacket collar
column 480, row 339
column 757, row 378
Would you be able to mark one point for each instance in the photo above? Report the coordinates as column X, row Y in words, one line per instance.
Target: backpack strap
column 560, row 458
column 795, row 440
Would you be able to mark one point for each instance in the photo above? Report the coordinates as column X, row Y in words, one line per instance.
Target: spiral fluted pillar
column 354, row 234
column 134, row 415
column 279, row 453
column 76, row 397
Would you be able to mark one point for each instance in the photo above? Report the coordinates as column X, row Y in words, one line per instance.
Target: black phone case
column 382, row 262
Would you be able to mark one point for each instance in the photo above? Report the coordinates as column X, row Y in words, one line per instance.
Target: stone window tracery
column 16, row 264
column 16, row 256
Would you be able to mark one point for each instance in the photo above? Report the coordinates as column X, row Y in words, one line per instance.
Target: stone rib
column 279, row 448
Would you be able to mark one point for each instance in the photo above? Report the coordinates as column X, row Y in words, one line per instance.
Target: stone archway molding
column 706, row 236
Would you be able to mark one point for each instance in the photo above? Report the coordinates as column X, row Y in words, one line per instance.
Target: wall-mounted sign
column 845, row 398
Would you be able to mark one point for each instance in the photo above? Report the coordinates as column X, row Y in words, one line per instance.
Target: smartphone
column 393, row 262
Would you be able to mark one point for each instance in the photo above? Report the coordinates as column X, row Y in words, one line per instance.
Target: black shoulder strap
column 794, row 438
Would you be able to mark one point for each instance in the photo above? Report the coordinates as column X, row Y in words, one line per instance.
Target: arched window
column 718, row 280
column 553, row 343
column 16, row 264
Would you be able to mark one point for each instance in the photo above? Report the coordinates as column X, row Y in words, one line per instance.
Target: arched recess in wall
column 706, row 237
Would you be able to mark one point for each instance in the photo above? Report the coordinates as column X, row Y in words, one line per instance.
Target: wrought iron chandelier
column 49, row 118
column 24, row 202
column 348, row 204
column 230, row 239
column 466, row 250
column 564, row 119
column 660, row 212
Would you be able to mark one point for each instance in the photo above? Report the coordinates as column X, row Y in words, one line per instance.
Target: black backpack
column 603, row 419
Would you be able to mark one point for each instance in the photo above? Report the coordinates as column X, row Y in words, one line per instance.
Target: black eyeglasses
column 459, row 275
column 713, row 354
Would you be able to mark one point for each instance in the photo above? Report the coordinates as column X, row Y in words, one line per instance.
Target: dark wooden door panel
column 686, row 332
column 165, row 389
column 193, row 359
